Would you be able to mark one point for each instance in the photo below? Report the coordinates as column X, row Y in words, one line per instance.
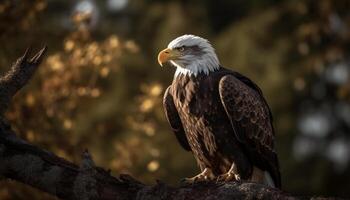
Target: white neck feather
column 205, row 65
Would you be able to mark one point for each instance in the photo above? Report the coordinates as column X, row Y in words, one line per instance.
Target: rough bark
column 42, row 169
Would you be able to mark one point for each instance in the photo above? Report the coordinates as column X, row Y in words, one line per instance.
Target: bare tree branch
column 19, row 74
column 41, row 169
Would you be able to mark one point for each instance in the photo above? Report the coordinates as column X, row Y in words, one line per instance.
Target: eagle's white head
column 191, row 55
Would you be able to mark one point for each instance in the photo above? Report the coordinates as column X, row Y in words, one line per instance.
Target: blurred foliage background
column 101, row 88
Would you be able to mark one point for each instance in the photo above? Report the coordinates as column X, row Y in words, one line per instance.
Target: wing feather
column 174, row 119
column 251, row 121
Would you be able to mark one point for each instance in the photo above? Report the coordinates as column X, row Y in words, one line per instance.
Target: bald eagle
column 219, row 115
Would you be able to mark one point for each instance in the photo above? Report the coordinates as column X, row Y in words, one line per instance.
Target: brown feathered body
column 222, row 117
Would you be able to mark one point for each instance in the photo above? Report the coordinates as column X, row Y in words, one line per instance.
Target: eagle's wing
column 251, row 121
column 174, row 119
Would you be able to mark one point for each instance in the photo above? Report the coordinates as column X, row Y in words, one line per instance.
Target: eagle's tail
column 263, row 177
column 268, row 179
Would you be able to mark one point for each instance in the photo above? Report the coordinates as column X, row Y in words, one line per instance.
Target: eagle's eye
column 182, row 48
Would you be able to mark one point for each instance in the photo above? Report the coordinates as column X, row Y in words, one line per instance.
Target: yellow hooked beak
column 166, row 55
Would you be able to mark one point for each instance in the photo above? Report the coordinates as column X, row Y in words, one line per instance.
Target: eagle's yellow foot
column 206, row 175
column 231, row 175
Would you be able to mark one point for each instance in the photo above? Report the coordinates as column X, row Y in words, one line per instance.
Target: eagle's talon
column 229, row 176
column 238, row 178
column 206, row 175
